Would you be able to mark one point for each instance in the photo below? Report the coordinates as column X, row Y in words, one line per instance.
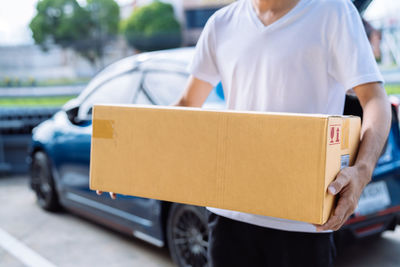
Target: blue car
column 60, row 155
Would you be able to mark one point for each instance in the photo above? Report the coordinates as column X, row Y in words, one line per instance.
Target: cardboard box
column 274, row 164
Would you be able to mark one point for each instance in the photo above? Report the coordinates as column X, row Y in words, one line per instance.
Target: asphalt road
column 29, row 235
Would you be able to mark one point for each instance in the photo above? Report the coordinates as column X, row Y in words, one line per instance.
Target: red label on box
column 334, row 134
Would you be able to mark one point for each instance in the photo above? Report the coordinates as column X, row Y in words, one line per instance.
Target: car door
column 159, row 86
column 73, row 146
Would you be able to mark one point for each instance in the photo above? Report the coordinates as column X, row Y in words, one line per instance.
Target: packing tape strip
column 103, row 129
column 345, row 134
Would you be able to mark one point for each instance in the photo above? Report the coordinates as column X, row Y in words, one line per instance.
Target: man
column 289, row 56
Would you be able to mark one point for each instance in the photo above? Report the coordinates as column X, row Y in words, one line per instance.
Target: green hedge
column 152, row 27
column 56, row 101
column 392, row 89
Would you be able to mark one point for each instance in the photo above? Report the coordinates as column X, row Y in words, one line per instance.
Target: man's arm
column 195, row 95
column 350, row 181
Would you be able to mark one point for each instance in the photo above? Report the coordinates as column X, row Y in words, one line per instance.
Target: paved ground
column 62, row 239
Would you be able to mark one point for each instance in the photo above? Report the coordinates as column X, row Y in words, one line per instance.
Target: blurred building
column 29, row 61
column 389, row 34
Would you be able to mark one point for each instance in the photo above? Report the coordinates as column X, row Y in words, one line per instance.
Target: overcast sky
column 15, row 16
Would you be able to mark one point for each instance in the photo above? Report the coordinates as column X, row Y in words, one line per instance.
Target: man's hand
column 112, row 195
column 349, row 184
column 350, row 181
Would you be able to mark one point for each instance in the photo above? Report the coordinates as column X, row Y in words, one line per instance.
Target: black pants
column 233, row 243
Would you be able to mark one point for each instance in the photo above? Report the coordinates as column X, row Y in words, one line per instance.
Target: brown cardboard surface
column 272, row 164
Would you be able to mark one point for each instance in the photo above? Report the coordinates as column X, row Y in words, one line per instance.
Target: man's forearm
column 374, row 132
column 350, row 182
column 195, row 94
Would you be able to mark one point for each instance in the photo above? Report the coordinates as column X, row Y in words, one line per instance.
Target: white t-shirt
column 304, row 62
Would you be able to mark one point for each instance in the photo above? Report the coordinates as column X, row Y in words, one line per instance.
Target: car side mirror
column 72, row 114
column 71, row 108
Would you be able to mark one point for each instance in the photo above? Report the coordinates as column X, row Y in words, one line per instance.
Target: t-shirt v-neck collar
column 258, row 23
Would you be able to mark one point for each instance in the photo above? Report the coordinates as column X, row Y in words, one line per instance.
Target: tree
column 59, row 21
column 152, row 27
column 85, row 29
column 104, row 17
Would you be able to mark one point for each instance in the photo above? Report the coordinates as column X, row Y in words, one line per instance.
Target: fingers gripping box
column 274, row 164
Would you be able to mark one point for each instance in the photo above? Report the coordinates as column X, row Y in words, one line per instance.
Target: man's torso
column 286, row 66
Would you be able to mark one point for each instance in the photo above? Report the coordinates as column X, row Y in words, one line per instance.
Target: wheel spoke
column 180, row 232
column 204, row 244
column 45, row 188
column 203, row 252
column 180, row 241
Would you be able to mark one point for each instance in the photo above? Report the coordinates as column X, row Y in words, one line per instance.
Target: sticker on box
column 344, row 161
column 334, row 134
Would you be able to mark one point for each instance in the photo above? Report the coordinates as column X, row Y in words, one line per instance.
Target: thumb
column 337, row 185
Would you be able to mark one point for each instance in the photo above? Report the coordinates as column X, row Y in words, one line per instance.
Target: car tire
column 187, row 235
column 42, row 182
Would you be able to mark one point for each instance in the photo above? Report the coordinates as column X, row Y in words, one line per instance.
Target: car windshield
column 119, row 90
column 164, row 87
column 112, row 70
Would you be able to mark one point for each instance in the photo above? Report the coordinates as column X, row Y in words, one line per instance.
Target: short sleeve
column 351, row 60
column 203, row 65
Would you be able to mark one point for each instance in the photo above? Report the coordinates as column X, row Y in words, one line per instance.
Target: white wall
column 26, row 61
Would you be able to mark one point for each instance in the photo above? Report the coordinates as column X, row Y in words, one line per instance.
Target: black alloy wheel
column 43, row 183
column 187, row 235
